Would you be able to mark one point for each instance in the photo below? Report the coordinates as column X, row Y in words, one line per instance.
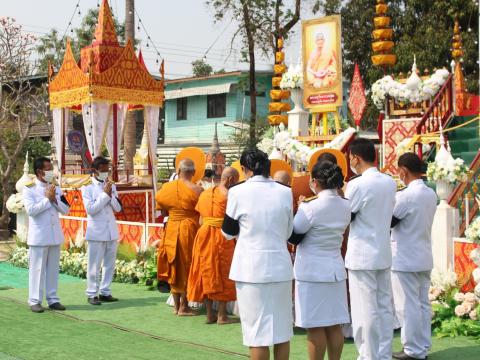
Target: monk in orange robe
column 178, row 199
column 212, row 253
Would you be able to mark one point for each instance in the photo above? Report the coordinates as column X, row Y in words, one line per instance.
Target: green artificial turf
column 140, row 326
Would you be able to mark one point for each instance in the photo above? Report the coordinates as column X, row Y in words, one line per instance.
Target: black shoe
column 94, row 301
column 107, row 298
column 37, row 308
column 402, row 356
column 57, row 306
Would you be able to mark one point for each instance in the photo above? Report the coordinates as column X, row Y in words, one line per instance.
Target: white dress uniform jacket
column 44, row 224
column 101, row 222
column 261, row 254
column 372, row 198
column 323, row 221
column 411, row 238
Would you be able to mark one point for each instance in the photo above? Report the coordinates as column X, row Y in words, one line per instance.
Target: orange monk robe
column 212, row 253
column 175, row 251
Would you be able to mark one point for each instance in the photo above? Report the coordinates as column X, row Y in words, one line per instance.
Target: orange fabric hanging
column 212, row 253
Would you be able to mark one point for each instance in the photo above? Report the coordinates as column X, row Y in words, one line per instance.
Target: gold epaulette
column 30, row 184
column 310, row 199
column 87, row 182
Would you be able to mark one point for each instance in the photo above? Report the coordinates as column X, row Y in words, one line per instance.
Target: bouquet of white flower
column 293, row 78
column 472, row 232
column 15, row 203
column 453, row 171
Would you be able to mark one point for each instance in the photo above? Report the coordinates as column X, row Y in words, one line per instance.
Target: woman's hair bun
column 328, row 175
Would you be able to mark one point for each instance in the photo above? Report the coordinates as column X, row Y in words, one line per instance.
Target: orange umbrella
column 197, row 156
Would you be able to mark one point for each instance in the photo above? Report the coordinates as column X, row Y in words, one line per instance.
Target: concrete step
column 467, row 144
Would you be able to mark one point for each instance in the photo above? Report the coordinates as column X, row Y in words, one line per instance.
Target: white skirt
column 320, row 304
column 265, row 312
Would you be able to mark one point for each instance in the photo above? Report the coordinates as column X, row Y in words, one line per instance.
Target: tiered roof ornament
column 215, row 160
column 463, row 99
column 108, row 72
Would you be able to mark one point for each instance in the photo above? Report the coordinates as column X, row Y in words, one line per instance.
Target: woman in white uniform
column 320, row 278
column 259, row 214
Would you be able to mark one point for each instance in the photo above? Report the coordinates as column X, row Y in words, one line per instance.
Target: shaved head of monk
column 282, row 177
column 230, row 177
column 186, row 169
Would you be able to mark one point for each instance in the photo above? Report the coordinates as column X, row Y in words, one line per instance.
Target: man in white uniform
column 100, row 199
column 369, row 256
column 43, row 202
column 413, row 214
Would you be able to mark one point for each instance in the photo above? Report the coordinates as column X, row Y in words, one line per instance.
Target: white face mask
column 48, row 177
column 312, row 189
column 102, row 176
column 354, row 170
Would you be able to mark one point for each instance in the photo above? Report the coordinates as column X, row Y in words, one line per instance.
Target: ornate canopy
column 108, row 72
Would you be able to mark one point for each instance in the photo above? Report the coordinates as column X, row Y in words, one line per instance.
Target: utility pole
column 129, row 138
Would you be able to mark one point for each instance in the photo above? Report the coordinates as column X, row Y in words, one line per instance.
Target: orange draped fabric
column 175, row 251
column 212, row 253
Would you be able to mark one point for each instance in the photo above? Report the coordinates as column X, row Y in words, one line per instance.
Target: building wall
column 197, row 128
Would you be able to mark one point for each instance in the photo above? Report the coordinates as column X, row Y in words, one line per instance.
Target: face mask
column 48, row 177
column 353, row 169
column 102, row 176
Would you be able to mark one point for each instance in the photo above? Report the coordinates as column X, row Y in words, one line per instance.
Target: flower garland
column 293, row 78
column 452, row 171
column 472, row 233
column 420, row 91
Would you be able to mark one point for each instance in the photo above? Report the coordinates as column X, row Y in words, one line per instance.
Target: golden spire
column 457, row 49
column 105, row 33
column 382, row 44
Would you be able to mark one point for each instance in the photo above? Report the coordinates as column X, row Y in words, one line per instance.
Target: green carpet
column 139, row 326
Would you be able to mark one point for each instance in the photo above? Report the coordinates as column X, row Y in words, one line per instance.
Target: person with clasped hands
column 101, row 200
column 43, row 202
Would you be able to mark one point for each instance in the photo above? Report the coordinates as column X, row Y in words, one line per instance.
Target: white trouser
column 372, row 313
column 43, row 268
column 100, row 252
column 410, row 293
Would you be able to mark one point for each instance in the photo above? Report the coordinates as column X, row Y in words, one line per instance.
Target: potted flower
column 446, row 174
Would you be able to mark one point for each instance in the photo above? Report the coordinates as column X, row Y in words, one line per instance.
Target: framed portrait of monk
column 322, row 63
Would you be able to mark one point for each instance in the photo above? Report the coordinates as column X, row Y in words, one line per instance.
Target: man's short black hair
column 98, row 161
column 411, row 162
column 364, row 149
column 39, row 164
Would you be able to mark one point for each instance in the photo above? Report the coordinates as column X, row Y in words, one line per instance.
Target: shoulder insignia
column 278, row 182
column 401, row 189
column 354, row 177
column 30, row 184
column 310, row 199
column 239, row 183
column 87, row 182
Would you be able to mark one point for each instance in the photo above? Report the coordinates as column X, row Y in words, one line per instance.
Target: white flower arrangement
column 472, row 233
column 294, row 150
column 454, row 170
column 443, row 280
column 293, row 78
column 15, row 203
column 425, row 90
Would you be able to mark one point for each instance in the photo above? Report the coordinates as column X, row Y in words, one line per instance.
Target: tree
column 201, row 68
column 23, row 104
column 259, row 25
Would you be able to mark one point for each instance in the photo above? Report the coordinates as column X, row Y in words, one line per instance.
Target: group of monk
column 194, row 257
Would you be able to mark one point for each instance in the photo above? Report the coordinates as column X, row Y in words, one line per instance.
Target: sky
column 182, row 30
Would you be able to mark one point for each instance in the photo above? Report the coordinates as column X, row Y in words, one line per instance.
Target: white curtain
column 121, row 115
column 59, row 133
column 95, row 118
column 151, row 114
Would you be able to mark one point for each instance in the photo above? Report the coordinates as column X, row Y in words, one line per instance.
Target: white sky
column 182, row 30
